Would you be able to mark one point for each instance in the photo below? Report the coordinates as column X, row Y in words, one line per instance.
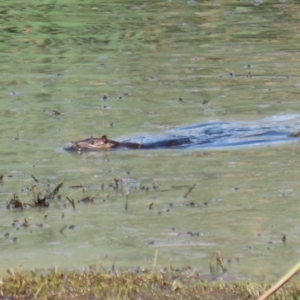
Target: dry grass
column 141, row 284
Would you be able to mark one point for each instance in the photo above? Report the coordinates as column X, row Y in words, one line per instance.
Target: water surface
column 127, row 69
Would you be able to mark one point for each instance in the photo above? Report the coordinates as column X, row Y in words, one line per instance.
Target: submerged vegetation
column 39, row 198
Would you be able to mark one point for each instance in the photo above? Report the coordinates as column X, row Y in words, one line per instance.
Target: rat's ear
column 104, row 138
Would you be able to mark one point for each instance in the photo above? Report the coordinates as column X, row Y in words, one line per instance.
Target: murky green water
column 227, row 60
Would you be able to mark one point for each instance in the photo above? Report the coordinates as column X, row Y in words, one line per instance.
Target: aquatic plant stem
column 280, row 283
column 155, row 259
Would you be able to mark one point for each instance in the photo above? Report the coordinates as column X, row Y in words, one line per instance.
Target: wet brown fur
column 103, row 143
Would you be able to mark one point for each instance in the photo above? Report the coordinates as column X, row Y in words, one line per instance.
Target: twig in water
column 55, row 190
column 35, row 179
column 126, row 203
column 220, row 262
column 72, row 202
column 113, row 269
column 189, row 191
column 155, row 259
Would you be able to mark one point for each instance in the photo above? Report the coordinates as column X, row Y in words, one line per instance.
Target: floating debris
column 189, row 191
column 77, row 186
column 15, row 202
column 72, row 202
column 55, row 112
column 87, row 199
column 39, row 201
column 55, row 190
column 34, row 178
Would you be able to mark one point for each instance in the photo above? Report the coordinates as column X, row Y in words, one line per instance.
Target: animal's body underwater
column 276, row 129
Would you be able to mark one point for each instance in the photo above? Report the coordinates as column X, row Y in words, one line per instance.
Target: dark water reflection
column 127, row 69
column 213, row 135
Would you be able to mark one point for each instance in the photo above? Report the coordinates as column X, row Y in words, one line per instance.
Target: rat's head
column 91, row 144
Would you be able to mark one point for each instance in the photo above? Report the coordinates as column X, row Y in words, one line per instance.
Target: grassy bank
column 141, row 284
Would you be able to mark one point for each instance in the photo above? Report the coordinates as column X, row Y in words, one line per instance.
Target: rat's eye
column 92, row 142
